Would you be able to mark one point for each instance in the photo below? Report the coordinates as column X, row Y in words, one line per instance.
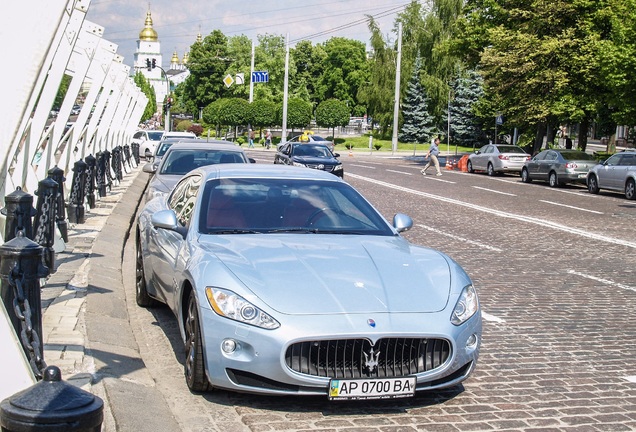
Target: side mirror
column 149, row 168
column 252, row 160
column 167, row 219
column 402, row 222
column 337, row 155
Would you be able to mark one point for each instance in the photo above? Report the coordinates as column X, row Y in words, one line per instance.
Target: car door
column 284, row 154
column 167, row 244
column 626, row 168
column 609, row 175
column 546, row 164
column 480, row 158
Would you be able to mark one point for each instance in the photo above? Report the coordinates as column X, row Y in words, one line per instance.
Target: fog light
column 472, row 341
column 228, row 346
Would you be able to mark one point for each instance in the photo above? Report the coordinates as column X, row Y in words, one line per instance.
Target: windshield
column 311, row 150
column 510, row 149
column 239, row 206
column 576, row 155
column 181, row 161
column 155, row 135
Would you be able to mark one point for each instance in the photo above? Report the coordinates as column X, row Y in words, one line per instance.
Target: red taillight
column 571, row 165
column 503, row 157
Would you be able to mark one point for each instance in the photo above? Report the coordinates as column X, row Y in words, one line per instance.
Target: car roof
column 269, row 171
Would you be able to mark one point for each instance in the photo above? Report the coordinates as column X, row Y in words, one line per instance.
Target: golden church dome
column 175, row 58
column 186, row 57
column 148, row 33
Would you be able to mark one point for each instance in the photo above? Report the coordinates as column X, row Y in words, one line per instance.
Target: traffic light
column 148, row 64
column 154, row 63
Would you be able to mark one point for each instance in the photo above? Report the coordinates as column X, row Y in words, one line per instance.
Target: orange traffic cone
column 350, row 152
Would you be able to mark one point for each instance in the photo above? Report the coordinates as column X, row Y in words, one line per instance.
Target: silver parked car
column 286, row 281
column 183, row 157
column 497, row 158
column 617, row 173
column 558, row 167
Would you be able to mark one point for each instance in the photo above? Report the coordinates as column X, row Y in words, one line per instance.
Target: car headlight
column 337, row 168
column 231, row 305
column 467, row 305
column 298, row 164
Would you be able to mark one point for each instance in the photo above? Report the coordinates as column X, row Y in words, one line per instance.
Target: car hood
column 330, row 274
column 315, row 160
column 164, row 183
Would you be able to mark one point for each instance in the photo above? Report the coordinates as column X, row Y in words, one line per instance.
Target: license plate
column 582, row 175
column 372, row 388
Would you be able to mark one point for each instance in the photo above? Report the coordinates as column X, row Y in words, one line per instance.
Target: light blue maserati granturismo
column 286, row 281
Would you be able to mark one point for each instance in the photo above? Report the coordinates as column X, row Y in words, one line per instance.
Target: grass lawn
column 362, row 143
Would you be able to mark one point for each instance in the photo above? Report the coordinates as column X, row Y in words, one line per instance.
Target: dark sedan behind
column 316, row 156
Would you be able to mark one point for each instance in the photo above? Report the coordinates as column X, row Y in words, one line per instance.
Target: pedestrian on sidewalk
column 251, row 139
column 268, row 139
column 433, row 151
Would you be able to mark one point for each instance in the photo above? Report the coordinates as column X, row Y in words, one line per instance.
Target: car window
column 613, row 160
column 280, row 205
column 551, row 156
column 183, row 198
column 511, row 149
column 138, row 135
column 182, row 161
column 163, row 148
column 489, row 149
column 155, row 135
column 576, row 155
column 628, row 159
column 540, row 156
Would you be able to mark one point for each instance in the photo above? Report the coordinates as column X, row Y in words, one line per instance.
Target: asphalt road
column 554, row 269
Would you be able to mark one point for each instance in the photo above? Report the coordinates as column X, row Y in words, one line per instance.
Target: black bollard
column 101, row 174
column 44, row 224
column 89, row 186
column 116, row 162
column 135, row 152
column 19, row 211
column 20, row 271
column 109, row 176
column 52, row 405
column 76, row 199
column 127, row 156
column 57, row 174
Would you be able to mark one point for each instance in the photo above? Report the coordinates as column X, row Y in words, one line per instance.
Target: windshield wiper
column 293, row 230
column 232, row 231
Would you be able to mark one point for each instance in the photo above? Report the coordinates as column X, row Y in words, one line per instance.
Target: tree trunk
column 538, row 140
column 583, row 128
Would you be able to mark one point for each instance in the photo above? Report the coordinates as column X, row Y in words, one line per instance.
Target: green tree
column 345, row 71
column 148, row 90
column 212, row 114
column 467, row 90
column 270, row 57
column 235, row 112
column 331, row 113
column 262, row 113
column 309, row 62
column 419, row 125
column 240, row 55
column 298, row 113
column 208, row 65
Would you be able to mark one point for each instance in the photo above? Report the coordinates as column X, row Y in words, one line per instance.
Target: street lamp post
column 151, row 65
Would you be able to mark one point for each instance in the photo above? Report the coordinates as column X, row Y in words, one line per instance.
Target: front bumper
column 258, row 363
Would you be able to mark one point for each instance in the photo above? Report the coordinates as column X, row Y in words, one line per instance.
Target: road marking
column 631, row 378
column 462, row 239
column 437, row 178
column 495, row 191
column 491, row 318
column 362, row 166
column 572, row 207
column 528, row 219
column 604, row 281
column 399, row 172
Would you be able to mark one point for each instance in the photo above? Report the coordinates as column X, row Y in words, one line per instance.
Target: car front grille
column 323, row 167
column 357, row 358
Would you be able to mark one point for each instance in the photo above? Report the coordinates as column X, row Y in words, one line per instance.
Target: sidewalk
column 86, row 331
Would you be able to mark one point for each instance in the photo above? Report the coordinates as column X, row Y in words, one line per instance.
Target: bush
column 183, row 125
column 349, row 146
column 338, row 141
column 377, row 146
column 196, row 129
column 240, row 140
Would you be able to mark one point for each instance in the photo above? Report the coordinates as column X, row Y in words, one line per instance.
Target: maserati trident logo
column 371, row 360
column 371, row 322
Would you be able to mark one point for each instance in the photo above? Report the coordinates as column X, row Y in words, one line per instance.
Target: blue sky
column 178, row 23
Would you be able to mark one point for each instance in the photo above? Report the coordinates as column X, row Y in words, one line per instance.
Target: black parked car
column 316, row 156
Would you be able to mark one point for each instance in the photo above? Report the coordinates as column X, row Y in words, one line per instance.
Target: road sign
column 239, row 78
column 261, row 76
column 228, row 80
column 499, row 119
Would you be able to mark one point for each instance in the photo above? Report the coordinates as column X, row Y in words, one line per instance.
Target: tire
column 194, row 366
column 141, row 292
column 525, row 176
column 469, row 166
column 491, row 170
column 630, row 189
column 592, row 184
column 553, row 180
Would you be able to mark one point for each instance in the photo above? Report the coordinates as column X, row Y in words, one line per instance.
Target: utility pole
column 285, row 92
column 251, row 73
column 396, row 106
